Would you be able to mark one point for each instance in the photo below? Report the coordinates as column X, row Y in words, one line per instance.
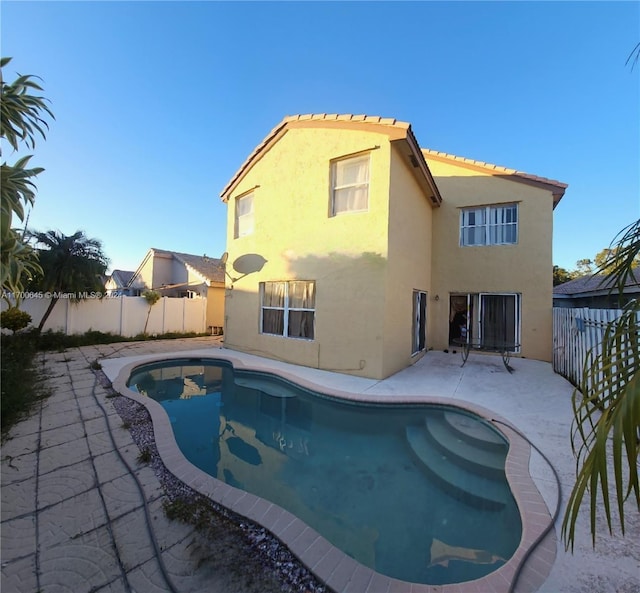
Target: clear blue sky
column 158, row 103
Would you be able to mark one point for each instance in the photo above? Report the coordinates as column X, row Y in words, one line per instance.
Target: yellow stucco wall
column 346, row 255
column 215, row 306
column 409, row 248
column 214, row 293
column 524, row 268
column 367, row 265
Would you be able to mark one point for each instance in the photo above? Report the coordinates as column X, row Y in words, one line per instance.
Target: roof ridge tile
column 491, row 166
column 281, row 128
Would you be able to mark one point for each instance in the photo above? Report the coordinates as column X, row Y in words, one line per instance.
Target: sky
column 157, row 104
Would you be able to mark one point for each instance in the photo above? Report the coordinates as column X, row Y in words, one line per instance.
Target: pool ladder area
column 464, row 457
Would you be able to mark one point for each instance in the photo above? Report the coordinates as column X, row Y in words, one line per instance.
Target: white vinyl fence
column 575, row 332
column 122, row 315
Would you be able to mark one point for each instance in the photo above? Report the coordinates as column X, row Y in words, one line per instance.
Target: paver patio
column 73, row 517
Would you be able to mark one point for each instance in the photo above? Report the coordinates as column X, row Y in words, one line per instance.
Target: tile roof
column 209, row 267
column 370, row 119
column 403, row 130
column 558, row 192
column 121, row 277
column 594, row 283
column 557, row 188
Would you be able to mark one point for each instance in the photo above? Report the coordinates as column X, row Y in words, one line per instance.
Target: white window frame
column 243, row 224
column 336, row 188
column 286, row 310
column 489, row 227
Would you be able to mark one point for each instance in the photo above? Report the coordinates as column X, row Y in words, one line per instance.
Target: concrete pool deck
column 67, row 500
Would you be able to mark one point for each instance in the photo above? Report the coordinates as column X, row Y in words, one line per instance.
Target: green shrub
column 59, row 341
column 145, row 455
column 21, row 384
column 151, row 296
column 14, row 319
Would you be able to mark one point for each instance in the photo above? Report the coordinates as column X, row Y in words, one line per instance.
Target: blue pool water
column 414, row 492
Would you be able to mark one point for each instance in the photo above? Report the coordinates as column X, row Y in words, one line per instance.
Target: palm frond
column 17, row 190
column 73, row 263
column 18, row 264
column 22, row 114
column 607, row 422
column 623, row 260
column 634, row 56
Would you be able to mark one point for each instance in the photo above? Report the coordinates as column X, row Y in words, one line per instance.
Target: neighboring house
column 596, row 292
column 117, row 283
column 357, row 251
column 175, row 274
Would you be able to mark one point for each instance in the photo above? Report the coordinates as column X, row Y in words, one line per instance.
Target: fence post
column 68, row 325
column 121, row 315
column 164, row 315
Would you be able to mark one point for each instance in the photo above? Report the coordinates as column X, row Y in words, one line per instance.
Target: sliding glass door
column 485, row 320
column 499, row 316
column 419, row 340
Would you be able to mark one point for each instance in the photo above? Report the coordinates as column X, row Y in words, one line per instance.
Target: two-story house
column 352, row 249
column 174, row 274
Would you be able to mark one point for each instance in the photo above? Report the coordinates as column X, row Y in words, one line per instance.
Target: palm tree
column 70, row 264
column 607, row 403
column 22, row 116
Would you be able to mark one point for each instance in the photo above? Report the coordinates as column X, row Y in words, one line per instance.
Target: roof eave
column 421, row 163
column 395, row 130
column 139, row 268
column 202, row 276
column 557, row 188
column 599, row 292
column 254, row 157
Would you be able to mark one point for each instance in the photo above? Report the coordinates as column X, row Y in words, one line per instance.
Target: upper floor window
column 350, row 185
column 243, row 216
column 489, row 225
column 288, row 308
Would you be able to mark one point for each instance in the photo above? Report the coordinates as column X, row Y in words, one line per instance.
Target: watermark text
column 74, row 296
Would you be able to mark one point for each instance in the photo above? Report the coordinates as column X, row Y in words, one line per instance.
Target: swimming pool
column 415, row 492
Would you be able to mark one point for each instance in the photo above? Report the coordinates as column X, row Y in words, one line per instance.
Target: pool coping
column 327, row 562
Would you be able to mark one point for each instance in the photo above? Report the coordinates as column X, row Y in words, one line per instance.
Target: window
column 489, row 225
column 350, row 185
column 244, row 216
column 288, row 308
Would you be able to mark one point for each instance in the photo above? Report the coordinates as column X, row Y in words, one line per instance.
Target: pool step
column 469, row 487
column 480, row 460
column 475, row 433
column 267, row 385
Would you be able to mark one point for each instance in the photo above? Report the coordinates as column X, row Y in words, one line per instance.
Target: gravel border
column 275, row 557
